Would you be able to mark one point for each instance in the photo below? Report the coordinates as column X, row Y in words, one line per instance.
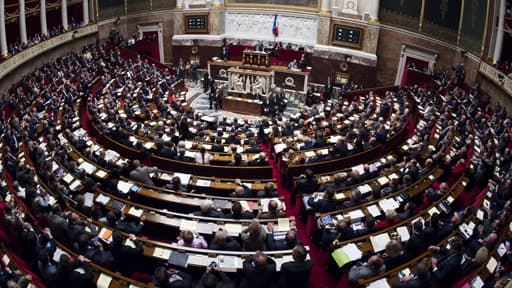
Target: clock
column 350, row 7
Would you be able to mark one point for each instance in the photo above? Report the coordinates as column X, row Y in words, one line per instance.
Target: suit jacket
column 141, row 174
column 414, row 283
column 256, row 278
column 322, row 205
column 448, row 270
column 295, row 274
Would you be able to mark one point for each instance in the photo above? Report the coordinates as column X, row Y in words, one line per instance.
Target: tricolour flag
column 275, row 29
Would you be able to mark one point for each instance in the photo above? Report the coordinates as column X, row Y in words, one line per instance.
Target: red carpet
column 320, row 278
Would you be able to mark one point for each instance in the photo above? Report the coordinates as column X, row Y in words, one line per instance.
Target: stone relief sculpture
column 259, row 26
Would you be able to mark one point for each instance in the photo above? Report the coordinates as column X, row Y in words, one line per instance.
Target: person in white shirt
column 202, row 157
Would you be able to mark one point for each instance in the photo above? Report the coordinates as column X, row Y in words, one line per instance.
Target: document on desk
column 188, row 225
column 88, row 167
column 129, row 242
column 373, row 210
column 388, row 204
column 381, row 283
column 346, row 254
column 477, row 282
column 283, row 224
column 379, row 242
column 197, row 260
column 233, row 228
column 162, row 253
column 102, row 199
column 203, row 183
column 383, row 180
column 491, row 265
column 123, row 186
column 135, row 212
column 228, row 262
column 247, row 205
column 68, row 178
column 88, row 199
column 185, row 178
column 56, row 255
column 355, row 214
column 101, row 174
column 403, row 232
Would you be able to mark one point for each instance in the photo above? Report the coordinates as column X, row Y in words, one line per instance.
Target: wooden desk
column 241, row 105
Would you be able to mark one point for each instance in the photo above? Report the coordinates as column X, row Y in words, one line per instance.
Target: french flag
column 275, row 29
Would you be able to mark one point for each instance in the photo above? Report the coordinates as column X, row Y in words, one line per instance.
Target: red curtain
column 148, row 46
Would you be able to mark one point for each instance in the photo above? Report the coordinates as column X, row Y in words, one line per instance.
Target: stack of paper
column 188, row 225
column 346, row 254
column 379, row 242
column 381, row 283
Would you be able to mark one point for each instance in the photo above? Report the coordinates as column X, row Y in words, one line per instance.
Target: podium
column 259, row 58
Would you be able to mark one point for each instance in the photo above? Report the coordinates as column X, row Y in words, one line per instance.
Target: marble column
column 374, row 11
column 92, row 10
column 3, row 36
column 64, row 13
column 498, row 45
column 42, row 15
column 23, row 23
column 218, row 4
column 325, row 7
column 85, row 11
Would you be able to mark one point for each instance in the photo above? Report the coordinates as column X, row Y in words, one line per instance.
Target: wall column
column 374, row 11
column 498, row 45
column 85, row 11
column 42, row 15
column 23, row 23
column 64, row 13
column 3, row 36
column 325, row 7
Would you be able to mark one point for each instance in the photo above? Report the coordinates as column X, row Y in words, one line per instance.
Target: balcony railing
column 18, row 59
column 497, row 77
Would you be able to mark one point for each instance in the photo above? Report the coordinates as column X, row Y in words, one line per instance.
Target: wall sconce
column 403, row 48
column 348, row 58
column 464, row 53
column 436, row 56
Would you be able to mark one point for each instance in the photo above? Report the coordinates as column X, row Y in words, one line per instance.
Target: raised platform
column 285, row 78
column 241, row 105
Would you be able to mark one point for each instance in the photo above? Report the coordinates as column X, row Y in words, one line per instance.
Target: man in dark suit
column 328, row 89
column 126, row 259
column 224, row 53
column 306, row 184
column 420, row 279
column 296, row 273
column 381, row 135
column 274, row 243
column 218, row 147
column 206, row 82
column 258, row 271
column 324, row 205
column 447, row 270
